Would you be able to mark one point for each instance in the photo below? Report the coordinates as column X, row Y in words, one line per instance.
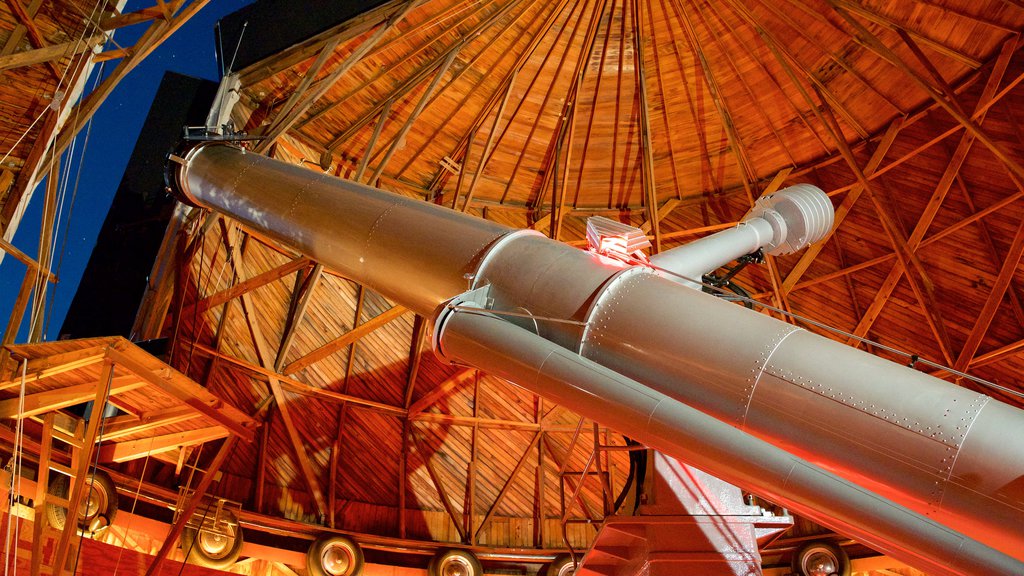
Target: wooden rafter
column 442, row 69
column 25, row 15
column 647, row 174
column 485, row 155
column 266, row 358
column 382, row 119
column 508, row 483
column 302, row 298
column 461, row 150
column 1013, row 292
column 778, row 48
column 563, row 56
column 468, row 94
column 747, row 171
column 923, row 289
column 248, row 285
column 439, row 486
column 839, row 60
column 20, row 30
column 406, row 57
column 565, row 135
column 942, row 189
column 344, row 340
column 994, row 299
column 919, row 36
column 846, row 205
column 741, row 77
column 290, row 115
column 946, row 101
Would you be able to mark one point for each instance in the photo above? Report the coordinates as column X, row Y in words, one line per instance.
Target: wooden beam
column 120, row 426
column 298, row 312
column 485, row 155
column 747, row 171
column 345, row 339
column 845, row 206
column 49, row 53
column 47, row 226
column 246, row 286
column 261, row 463
column 42, row 491
column 441, row 390
column 647, row 175
column 946, row 181
column 784, row 15
column 150, row 40
column 382, row 119
column 20, row 30
column 44, row 367
column 420, row 105
column 998, row 354
column 132, row 449
column 569, row 98
column 263, row 351
column 80, row 468
column 779, row 49
column 24, row 15
column 26, row 259
column 356, row 320
column 995, row 298
column 296, row 386
column 171, row 540
column 17, row 315
column 873, row 43
column 415, row 354
column 508, row 484
column 903, row 29
column 284, row 122
column 461, row 149
column 441, row 492
column 561, row 462
column 128, row 18
column 403, row 464
column 58, row 398
column 959, row 225
column 923, row 289
column 185, row 395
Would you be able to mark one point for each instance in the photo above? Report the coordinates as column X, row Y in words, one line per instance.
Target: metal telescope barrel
column 944, row 452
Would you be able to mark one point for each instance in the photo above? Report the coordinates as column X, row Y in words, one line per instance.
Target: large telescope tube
column 467, row 335
column 950, row 454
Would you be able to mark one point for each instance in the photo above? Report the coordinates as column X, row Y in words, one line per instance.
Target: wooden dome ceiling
column 671, row 115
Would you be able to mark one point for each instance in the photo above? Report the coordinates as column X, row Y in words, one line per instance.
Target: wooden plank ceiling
column 673, row 115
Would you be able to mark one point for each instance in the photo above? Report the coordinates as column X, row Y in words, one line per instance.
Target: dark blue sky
column 115, row 128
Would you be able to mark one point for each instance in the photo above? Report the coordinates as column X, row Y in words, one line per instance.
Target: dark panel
column 115, row 279
column 267, row 27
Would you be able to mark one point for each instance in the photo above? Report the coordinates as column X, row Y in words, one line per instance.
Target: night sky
column 115, row 129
